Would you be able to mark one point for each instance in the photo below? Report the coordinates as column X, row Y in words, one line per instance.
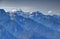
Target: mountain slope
column 21, row 25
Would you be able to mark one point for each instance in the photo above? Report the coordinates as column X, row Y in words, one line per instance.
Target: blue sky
column 44, row 6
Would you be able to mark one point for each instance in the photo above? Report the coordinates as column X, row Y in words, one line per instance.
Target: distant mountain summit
column 22, row 25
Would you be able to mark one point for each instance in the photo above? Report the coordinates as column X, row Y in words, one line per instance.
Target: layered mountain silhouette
column 22, row 25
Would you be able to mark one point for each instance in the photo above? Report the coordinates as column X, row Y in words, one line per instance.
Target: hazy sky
column 44, row 6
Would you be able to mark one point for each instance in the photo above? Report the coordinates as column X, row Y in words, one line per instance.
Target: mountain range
column 26, row 25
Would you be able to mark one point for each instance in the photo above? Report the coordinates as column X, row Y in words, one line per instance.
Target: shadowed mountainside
column 22, row 25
